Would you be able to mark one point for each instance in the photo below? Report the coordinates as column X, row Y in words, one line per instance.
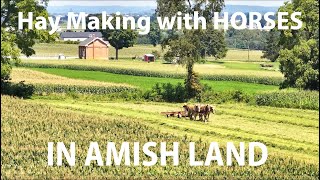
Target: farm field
column 233, row 71
column 92, row 100
column 36, row 77
column 86, row 109
column 44, row 83
column 149, row 82
column 291, row 135
column 47, row 50
column 292, row 155
column 162, row 66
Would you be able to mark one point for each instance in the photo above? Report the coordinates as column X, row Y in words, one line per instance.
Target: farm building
column 78, row 36
column 149, row 58
column 94, row 48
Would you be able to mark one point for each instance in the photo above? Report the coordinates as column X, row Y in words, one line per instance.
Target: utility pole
column 248, row 50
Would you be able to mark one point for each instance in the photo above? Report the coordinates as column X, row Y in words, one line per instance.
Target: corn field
column 284, row 99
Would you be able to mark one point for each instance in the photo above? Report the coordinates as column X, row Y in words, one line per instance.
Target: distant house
column 78, row 36
column 94, row 48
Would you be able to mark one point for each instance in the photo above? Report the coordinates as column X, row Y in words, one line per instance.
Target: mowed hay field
column 71, row 50
column 25, row 136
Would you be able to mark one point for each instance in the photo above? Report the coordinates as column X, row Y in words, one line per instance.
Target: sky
column 153, row 2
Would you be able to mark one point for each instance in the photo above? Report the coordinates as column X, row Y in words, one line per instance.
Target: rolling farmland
column 91, row 100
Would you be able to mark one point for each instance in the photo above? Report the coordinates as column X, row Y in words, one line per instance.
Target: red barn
column 149, row 58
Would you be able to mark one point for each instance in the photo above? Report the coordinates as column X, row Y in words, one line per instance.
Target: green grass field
column 45, row 49
column 149, row 82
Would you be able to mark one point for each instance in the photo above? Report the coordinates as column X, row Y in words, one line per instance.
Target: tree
column 299, row 57
column 154, row 34
column 300, row 65
column 272, row 47
column 190, row 46
column 213, row 43
column 9, row 53
column 120, row 38
column 246, row 37
column 14, row 41
column 186, row 49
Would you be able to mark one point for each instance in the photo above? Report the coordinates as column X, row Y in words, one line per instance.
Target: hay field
column 292, row 155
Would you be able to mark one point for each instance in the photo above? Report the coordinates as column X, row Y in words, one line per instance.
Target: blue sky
column 153, row 2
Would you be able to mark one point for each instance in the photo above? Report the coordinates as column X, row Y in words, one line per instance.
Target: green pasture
column 149, row 82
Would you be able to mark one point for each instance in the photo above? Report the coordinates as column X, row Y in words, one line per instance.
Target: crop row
column 61, row 88
column 149, row 73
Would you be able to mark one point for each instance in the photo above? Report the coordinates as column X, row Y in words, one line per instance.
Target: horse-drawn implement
column 178, row 114
column 203, row 112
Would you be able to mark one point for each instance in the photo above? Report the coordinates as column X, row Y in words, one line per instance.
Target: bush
column 226, row 96
column 156, row 54
column 166, row 92
column 20, row 89
column 177, row 93
column 266, row 65
column 169, row 59
column 290, row 99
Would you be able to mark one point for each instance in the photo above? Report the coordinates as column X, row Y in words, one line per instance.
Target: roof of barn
column 92, row 39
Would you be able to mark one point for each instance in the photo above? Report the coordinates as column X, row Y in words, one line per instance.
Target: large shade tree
column 191, row 46
column 14, row 41
column 299, row 57
column 120, row 38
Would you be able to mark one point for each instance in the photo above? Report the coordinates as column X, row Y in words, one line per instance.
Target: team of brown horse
column 203, row 111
